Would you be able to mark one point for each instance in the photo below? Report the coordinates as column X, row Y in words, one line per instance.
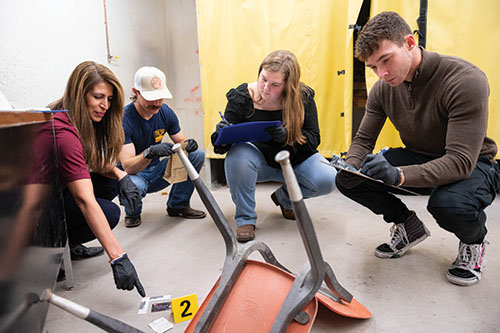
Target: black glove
column 278, row 133
column 378, row 167
column 221, row 124
column 128, row 193
column 159, row 150
column 125, row 275
column 223, row 148
column 191, row 146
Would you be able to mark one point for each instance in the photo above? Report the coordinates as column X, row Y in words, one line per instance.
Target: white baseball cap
column 150, row 81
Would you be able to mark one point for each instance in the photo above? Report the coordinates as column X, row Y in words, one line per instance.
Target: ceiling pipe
column 109, row 56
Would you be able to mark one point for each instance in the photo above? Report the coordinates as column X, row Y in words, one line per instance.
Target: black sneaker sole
column 462, row 279
column 86, row 256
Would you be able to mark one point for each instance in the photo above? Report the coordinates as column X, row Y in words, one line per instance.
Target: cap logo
column 156, row 82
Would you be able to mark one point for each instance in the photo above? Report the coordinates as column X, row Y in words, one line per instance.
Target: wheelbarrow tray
column 254, row 301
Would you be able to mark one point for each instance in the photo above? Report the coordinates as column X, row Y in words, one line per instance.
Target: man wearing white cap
column 146, row 121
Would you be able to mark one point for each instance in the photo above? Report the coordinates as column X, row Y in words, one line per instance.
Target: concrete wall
column 42, row 42
column 184, row 66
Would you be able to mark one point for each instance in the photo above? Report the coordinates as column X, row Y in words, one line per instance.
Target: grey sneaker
column 466, row 269
column 404, row 236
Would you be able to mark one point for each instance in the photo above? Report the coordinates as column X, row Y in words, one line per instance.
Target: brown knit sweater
column 442, row 113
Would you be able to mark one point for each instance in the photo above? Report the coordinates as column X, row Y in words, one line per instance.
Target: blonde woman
column 89, row 137
column 278, row 94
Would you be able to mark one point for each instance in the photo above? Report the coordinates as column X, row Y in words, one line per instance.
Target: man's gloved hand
column 378, row 167
column 125, row 275
column 159, row 150
column 278, row 133
column 191, row 146
column 128, row 193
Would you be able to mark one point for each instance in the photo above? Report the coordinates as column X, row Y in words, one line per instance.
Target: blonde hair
column 294, row 91
column 101, row 141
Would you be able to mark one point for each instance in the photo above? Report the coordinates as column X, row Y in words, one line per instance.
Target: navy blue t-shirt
column 144, row 133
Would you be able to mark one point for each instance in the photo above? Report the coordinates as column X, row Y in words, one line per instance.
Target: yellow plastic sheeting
column 466, row 29
column 409, row 10
column 470, row 30
column 235, row 36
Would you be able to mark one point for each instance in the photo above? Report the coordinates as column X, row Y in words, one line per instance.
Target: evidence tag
column 184, row 308
column 154, row 304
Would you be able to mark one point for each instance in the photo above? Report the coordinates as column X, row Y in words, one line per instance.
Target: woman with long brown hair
column 278, row 94
column 89, row 137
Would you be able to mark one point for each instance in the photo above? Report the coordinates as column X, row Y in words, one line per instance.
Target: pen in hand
column 221, row 115
column 222, row 124
column 383, row 150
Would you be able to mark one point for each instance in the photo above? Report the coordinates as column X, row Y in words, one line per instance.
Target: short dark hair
column 384, row 26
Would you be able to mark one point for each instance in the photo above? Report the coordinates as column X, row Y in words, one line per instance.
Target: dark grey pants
column 457, row 207
column 105, row 189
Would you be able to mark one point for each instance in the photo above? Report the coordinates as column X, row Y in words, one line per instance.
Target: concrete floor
column 177, row 257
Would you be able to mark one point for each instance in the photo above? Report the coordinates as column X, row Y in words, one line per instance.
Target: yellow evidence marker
column 184, row 308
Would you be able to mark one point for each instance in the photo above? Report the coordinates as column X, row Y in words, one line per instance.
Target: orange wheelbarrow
column 258, row 296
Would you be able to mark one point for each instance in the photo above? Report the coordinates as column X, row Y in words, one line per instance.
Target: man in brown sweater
column 439, row 106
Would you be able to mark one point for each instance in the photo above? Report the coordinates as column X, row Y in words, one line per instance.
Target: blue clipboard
column 246, row 132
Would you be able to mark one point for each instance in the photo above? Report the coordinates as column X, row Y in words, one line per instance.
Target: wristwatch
column 145, row 153
column 401, row 177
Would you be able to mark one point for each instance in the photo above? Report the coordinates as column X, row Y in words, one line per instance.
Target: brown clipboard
column 379, row 184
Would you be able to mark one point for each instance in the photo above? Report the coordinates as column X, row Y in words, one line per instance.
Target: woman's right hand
column 125, row 275
column 221, row 124
column 223, row 148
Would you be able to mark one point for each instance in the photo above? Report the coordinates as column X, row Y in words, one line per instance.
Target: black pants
column 457, row 207
column 105, row 189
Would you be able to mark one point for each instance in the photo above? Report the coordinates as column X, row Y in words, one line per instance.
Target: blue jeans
column 151, row 180
column 245, row 166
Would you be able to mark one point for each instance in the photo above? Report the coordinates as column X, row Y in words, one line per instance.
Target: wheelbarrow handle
column 306, row 229
column 304, row 222
column 100, row 320
column 283, row 158
column 210, row 203
column 192, row 173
